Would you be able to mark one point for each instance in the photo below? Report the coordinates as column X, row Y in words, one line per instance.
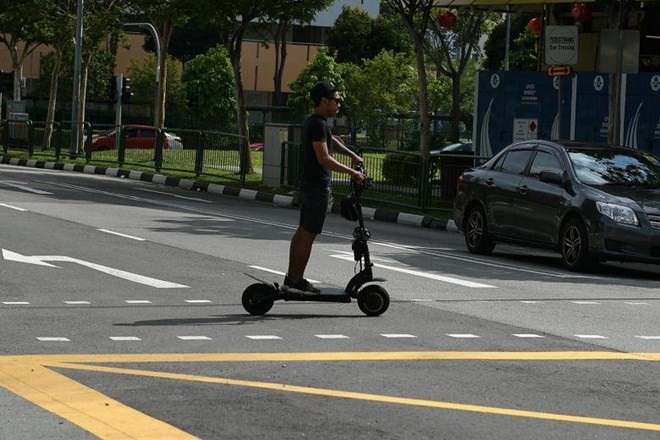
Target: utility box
column 275, row 165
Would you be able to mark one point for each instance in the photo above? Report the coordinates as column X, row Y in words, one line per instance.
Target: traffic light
column 126, row 92
column 112, row 89
column 6, row 81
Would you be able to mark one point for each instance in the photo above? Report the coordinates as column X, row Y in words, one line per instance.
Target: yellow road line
column 370, row 397
column 29, row 376
column 83, row 406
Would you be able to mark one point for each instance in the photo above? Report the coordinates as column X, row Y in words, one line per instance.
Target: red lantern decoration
column 535, row 26
column 581, row 12
column 447, row 20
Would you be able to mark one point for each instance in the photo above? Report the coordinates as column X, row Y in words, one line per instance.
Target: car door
column 539, row 205
column 147, row 137
column 501, row 185
column 132, row 137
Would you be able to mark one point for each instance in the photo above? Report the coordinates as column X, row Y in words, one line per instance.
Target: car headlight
column 618, row 213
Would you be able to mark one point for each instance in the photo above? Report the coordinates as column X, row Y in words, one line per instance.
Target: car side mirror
column 547, row 176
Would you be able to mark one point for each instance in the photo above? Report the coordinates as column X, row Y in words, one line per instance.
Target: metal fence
column 397, row 178
column 210, row 153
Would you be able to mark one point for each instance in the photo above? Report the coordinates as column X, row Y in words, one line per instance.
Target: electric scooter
column 372, row 299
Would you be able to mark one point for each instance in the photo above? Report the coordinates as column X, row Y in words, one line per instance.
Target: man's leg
column 299, row 252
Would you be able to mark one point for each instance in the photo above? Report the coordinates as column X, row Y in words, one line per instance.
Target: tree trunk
column 83, row 101
column 166, row 35
column 241, row 111
column 52, row 100
column 424, row 118
column 280, row 60
column 453, row 134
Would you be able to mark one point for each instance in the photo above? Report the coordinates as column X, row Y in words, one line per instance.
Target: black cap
column 322, row 89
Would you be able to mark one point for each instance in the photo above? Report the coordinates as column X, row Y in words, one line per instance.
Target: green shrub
column 402, row 169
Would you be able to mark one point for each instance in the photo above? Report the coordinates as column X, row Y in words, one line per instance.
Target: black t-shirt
column 315, row 129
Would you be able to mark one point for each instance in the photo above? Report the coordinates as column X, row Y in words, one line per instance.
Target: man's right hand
column 360, row 177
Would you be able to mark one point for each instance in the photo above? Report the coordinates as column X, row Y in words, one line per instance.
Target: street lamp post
column 154, row 34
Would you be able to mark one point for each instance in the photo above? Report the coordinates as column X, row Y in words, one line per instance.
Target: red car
column 137, row 136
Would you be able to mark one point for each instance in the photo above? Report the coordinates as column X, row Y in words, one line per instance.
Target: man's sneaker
column 302, row 287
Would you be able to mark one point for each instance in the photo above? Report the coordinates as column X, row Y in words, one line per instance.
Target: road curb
column 383, row 215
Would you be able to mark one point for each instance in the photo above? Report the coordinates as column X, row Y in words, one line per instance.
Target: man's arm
column 330, row 163
column 342, row 148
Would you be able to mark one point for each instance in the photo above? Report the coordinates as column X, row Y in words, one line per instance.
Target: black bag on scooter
column 349, row 209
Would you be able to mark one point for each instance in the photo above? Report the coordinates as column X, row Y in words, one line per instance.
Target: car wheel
column 575, row 246
column 476, row 232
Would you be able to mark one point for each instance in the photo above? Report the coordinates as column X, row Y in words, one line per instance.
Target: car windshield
column 610, row 167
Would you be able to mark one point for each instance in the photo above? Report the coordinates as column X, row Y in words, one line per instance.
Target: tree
column 209, row 82
column 58, row 25
column 21, row 22
column 142, row 73
column 281, row 19
column 451, row 51
column 323, row 67
column 194, row 37
column 101, row 18
column 356, row 36
column 416, row 15
column 521, row 49
column 383, row 86
column 234, row 17
column 166, row 15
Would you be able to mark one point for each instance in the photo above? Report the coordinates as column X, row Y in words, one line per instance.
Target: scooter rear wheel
column 258, row 298
column 373, row 300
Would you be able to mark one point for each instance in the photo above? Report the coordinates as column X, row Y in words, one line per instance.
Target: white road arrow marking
column 424, row 274
column 28, row 189
column 40, row 260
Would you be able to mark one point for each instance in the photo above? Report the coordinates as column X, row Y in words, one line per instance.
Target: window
column 148, row 133
column 515, row 161
column 131, row 132
column 544, row 161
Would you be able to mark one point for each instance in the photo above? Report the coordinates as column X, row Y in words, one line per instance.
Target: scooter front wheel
column 258, row 298
column 373, row 300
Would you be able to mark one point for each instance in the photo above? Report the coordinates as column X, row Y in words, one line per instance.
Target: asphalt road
column 120, row 317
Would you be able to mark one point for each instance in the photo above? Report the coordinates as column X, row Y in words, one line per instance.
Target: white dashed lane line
column 132, row 237
column 650, row 338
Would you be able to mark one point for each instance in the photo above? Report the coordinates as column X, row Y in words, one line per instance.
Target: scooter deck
column 328, row 293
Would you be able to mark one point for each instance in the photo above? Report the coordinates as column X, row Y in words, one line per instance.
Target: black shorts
column 314, row 201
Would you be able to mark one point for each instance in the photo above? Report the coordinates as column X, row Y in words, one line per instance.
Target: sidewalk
column 421, row 221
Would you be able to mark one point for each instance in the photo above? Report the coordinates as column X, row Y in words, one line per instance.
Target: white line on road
column 75, row 303
column 16, row 303
column 198, row 301
column 397, row 335
column 263, row 337
column 527, row 335
column 591, row 337
column 107, row 231
column 175, row 195
column 28, row 189
column 648, row 337
column 636, row 303
column 13, row 207
column 53, row 339
column 462, row 335
column 194, row 338
column 125, row 338
column 40, row 260
column 137, row 301
column 424, row 274
column 585, row 302
column 332, row 336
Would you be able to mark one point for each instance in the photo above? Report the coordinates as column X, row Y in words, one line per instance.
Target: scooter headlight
column 618, row 213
